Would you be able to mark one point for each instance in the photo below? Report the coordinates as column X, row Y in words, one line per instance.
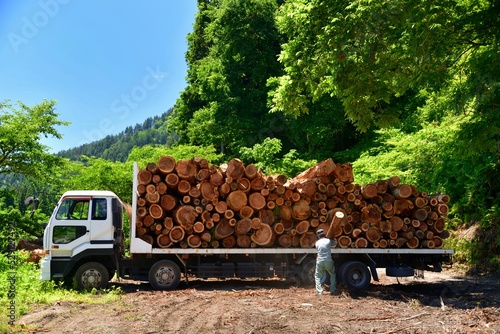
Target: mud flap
column 373, row 270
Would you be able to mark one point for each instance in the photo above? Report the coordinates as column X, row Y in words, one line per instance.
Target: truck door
column 101, row 229
column 70, row 226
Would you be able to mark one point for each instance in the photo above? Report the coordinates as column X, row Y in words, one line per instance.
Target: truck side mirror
column 34, row 202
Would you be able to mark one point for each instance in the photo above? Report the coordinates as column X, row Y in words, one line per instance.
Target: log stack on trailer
column 191, row 203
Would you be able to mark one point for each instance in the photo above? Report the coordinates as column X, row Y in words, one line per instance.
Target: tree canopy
column 21, row 129
column 232, row 52
column 369, row 53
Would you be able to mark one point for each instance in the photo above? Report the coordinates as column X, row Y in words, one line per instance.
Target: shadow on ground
column 453, row 291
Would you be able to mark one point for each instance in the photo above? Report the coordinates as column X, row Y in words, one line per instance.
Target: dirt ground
column 441, row 303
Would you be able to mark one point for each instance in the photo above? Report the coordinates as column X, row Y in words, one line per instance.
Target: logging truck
column 84, row 238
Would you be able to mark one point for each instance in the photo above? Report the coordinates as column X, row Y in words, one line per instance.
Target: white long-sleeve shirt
column 324, row 247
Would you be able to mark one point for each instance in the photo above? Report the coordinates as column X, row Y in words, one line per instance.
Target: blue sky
column 108, row 64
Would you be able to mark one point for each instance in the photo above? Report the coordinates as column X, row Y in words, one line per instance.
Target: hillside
column 117, row 147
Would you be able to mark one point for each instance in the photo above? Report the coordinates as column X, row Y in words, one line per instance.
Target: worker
column 324, row 261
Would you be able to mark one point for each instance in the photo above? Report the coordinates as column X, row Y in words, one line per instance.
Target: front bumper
column 45, row 268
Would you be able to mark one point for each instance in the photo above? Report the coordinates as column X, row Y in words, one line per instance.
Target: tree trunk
column 278, row 228
column 235, row 169
column 156, row 211
column 372, row 214
column 166, row 164
column 251, row 171
column 373, row 234
column 217, row 179
column 361, row 243
column 183, row 187
column 194, row 241
column 177, row 234
column 243, row 240
column 223, row 229
column 187, row 169
column 301, row 210
column 263, row 236
column 302, row 227
column 243, row 226
column 402, row 191
column 203, row 174
column 246, row 211
column 229, row 241
column 323, row 168
column 172, row 180
column 243, row 184
column 344, row 241
column 285, row 240
column 144, row 177
column 163, row 241
column 236, row 200
column 266, row 216
column 285, row 212
column 256, row 201
column 185, row 216
column 307, row 240
column 198, row 227
column 369, row 190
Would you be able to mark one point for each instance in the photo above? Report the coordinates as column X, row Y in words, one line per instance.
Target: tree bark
column 235, row 169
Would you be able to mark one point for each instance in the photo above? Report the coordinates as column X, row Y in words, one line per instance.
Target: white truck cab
column 84, row 224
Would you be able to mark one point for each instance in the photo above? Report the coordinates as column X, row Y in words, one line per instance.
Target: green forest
column 396, row 88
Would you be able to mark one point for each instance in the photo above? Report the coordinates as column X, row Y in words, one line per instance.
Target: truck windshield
column 73, row 209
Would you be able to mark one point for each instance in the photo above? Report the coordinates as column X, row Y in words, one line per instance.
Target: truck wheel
column 308, row 269
column 164, row 275
column 294, row 280
column 111, row 273
column 92, row 275
column 355, row 275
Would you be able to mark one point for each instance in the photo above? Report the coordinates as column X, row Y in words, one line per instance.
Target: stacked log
column 191, row 203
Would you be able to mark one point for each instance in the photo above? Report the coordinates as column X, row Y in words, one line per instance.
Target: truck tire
column 308, row 269
column 294, row 280
column 164, row 275
column 355, row 275
column 111, row 273
column 92, row 275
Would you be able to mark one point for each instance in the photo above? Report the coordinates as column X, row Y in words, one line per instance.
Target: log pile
column 191, row 203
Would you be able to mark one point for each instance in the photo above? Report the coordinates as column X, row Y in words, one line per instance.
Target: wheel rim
column 355, row 277
column 91, row 278
column 165, row 275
